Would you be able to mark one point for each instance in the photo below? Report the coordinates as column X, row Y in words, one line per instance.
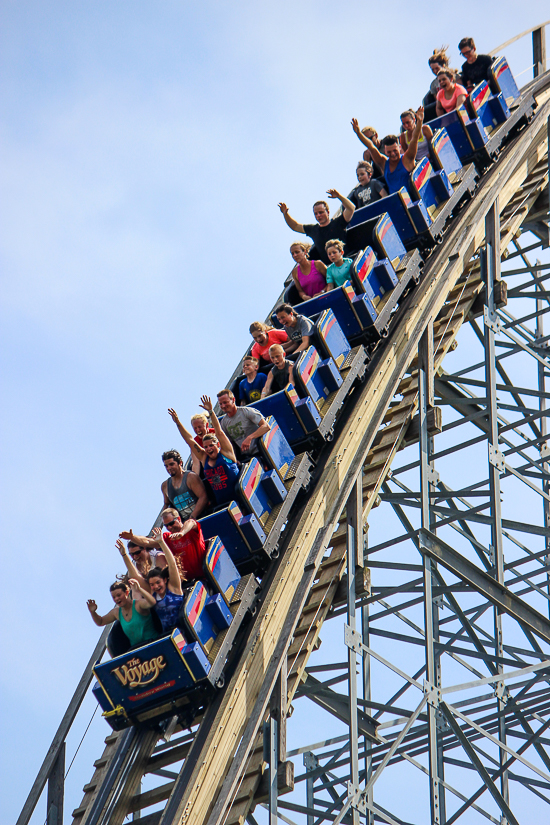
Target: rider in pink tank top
column 311, row 282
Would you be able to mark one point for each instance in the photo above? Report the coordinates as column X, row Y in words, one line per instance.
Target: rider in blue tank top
column 396, row 168
column 398, row 178
column 216, row 455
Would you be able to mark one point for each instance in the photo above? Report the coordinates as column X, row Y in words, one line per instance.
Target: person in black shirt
column 325, row 229
column 477, row 65
column 368, row 190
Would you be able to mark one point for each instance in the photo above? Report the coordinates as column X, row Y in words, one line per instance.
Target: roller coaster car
column 436, row 192
column 393, row 266
column 396, row 206
column 363, row 305
column 323, row 375
column 251, row 529
column 493, row 119
column 478, row 128
column 419, row 214
column 174, row 674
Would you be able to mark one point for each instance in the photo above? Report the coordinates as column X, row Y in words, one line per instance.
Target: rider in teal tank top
column 140, row 628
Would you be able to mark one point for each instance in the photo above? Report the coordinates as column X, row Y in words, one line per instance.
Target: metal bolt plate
column 353, row 639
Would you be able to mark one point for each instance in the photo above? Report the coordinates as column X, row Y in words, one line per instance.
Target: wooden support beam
column 426, row 360
column 285, row 782
column 278, row 709
column 539, row 52
column 56, row 789
column 500, row 293
column 435, row 426
column 362, row 586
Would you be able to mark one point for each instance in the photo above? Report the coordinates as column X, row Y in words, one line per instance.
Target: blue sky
column 144, row 149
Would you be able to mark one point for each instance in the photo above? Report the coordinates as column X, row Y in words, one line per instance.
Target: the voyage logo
column 136, row 673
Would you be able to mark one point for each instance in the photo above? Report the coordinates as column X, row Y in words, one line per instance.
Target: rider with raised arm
column 396, row 168
column 325, row 228
column 143, row 558
column 167, row 593
column 184, row 539
column 134, row 615
column 199, row 422
column 216, row 455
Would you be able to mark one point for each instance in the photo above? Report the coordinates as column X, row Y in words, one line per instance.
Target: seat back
column 362, row 268
column 276, row 449
column 420, row 183
column 490, row 109
column 339, row 300
column 198, row 623
column 282, row 406
column 387, row 241
column 396, row 206
column 313, row 376
column 380, row 234
column 503, row 80
column 220, row 569
column 240, row 534
column 444, row 155
column 456, row 124
column 252, row 491
column 375, row 277
column 478, row 97
column 330, row 334
column 432, row 188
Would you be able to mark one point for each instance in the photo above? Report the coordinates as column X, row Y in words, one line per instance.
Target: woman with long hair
column 437, row 61
column 143, row 558
column 451, row 94
column 408, row 122
column 308, row 276
column 264, row 337
column 134, row 615
column 166, row 594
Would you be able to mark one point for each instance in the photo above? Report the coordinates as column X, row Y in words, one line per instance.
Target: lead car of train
column 177, row 674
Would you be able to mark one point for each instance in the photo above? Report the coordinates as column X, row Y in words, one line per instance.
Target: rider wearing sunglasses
column 184, row 538
column 476, row 68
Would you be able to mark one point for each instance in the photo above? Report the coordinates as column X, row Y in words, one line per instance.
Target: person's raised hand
column 92, row 606
column 206, row 403
column 127, row 535
column 355, row 125
column 134, row 584
column 156, row 534
column 173, row 415
column 120, row 547
column 420, row 113
column 333, row 193
column 283, row 207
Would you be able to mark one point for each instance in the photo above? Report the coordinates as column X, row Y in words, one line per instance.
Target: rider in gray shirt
column 243, row 425
column 297, row 327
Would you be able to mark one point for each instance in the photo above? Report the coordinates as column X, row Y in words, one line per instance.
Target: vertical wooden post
column 539, row 52
column 56, row 789
column 277, row 707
